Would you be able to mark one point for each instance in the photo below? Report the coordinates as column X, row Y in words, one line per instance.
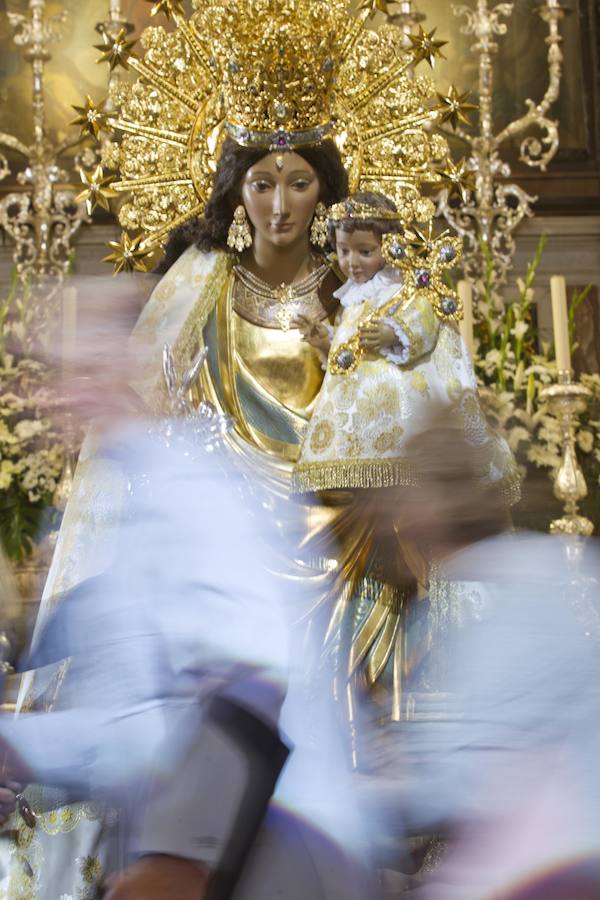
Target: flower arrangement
column 31, row 452
column 512, row 365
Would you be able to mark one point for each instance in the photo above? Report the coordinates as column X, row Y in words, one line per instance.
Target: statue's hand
column 376, row 336
column 314, row 333
column 159, row 878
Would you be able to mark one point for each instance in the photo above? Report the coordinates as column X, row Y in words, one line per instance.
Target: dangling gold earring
column 318, row 229
column 239, row 236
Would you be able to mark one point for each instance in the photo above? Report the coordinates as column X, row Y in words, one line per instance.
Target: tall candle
column 560, row 323
column 465, row 293
column 69, row 324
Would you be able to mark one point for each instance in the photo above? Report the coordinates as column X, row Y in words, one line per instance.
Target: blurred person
column 503, row 761
column 168, row 711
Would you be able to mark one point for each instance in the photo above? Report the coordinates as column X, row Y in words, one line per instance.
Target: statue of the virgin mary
column 246, row 121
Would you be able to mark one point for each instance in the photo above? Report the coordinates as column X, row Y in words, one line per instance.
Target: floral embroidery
column 322, row 436
column 25, row 862
column 24, row 836
column 67, row 816
column 419, row 383
column 90, row 868
column 454, row 390
column 473, row 419
column 351, row 446
column 470, row 405
column 379, row 399
column 345, row 392
column 388, row 440
column 451, row 337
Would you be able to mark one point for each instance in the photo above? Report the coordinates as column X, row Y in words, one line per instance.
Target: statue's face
column 280, row 193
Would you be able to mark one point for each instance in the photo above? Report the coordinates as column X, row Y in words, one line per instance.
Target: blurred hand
column 314, row 333
column 92, row 356
column 376, row 336
column 159, row 878
column 14, row 773
column 8, row 799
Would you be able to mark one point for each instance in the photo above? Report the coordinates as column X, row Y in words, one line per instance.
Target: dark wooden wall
column 571, row 185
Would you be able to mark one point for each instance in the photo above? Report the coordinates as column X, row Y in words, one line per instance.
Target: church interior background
column 531, row 145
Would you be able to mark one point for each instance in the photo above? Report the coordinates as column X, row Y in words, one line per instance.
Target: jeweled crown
column 278, row 59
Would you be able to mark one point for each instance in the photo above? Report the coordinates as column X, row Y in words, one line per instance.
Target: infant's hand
column 376, row 336
column 314, row 333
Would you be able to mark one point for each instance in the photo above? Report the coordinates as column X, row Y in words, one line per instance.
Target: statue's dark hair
column 210, row 232
column 377, row 226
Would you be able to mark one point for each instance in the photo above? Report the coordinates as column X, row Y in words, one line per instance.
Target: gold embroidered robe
column 365, row 417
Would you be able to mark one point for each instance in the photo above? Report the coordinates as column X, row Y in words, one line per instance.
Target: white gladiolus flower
column 520, row 330
column 516, row 436
column 28, row 428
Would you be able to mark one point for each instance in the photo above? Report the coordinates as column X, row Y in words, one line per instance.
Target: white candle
column 465, row 293
column 560, row 323
column 69, row 323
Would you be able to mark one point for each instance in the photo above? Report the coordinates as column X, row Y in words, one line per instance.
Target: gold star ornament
column 96, row 191
column 115, row 51
column 168, row 7
column 92, row 118
column 426, row 47
column 455, row 107
column 460, row 180
column 128, row 255
column 421, row 240
column 375, row 6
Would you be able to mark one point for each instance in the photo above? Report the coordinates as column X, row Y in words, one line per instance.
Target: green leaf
column 20, row 522
column 576, row 301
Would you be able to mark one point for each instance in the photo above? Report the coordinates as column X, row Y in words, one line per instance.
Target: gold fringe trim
column 364, row 473
column 375, row 473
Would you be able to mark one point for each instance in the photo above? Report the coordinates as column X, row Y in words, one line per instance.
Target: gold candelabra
column 42, row 218
column 567, row 400
column 494, row 210
column 45, row 215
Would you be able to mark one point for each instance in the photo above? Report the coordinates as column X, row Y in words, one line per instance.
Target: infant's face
column 359, row 254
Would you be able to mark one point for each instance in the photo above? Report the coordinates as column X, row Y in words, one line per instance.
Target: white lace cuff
column 398, row 353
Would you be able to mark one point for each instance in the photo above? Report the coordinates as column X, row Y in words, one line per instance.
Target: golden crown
column 269, row 73
column 353, row 210
column 278, row 61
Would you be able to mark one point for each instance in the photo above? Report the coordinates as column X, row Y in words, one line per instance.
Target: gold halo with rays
column 358, row 87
